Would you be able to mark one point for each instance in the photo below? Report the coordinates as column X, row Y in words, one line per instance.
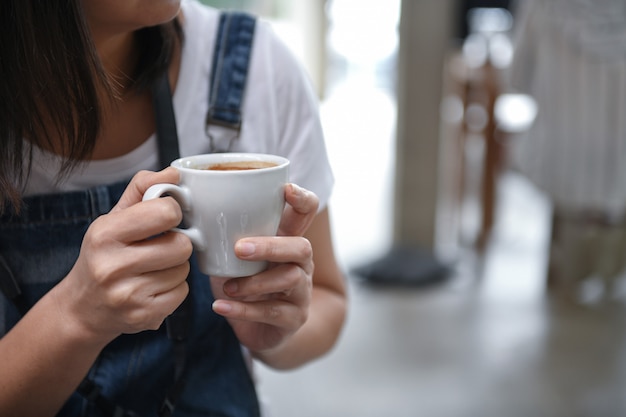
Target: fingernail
column 245, row 248
column 222, row 307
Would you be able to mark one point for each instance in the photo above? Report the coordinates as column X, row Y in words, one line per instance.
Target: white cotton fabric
column 280, row 115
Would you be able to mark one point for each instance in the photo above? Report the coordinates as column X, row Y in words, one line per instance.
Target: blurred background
column 448, row 245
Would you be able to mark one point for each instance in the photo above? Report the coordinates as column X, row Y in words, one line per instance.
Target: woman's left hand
column 265, row 309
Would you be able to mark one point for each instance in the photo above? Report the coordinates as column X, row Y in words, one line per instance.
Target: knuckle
column 156, row 325
column 244, row 312
column 140, row 319
column 169, row 211
column 183, row 290
column 142, row 177
column 120, row 300
column 183, row 244
column 153, row 325
column 307, row 277
column 272, row 248
column 292, row 275
column 134, row 313
column 180, row 273
column 307, row 248
column 102, row 272
column 185, row 268
column 314, row 201
column 304, row 317
column 98, row 234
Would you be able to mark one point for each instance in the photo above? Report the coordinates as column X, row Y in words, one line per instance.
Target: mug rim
column 194, row 161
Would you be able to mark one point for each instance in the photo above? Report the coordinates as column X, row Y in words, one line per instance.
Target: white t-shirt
column 280, row 115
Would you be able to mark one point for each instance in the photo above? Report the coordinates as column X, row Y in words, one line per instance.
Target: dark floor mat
column 404, row 266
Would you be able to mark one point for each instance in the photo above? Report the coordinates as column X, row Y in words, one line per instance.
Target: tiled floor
column 488, row 343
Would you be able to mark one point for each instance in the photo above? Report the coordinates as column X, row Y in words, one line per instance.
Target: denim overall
column 193, row 365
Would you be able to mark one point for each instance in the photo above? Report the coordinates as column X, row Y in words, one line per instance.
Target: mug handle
column 183, row 197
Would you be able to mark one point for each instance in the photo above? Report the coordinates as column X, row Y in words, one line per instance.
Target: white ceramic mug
column 222, row 206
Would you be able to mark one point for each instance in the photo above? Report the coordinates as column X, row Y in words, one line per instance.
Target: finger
column 135, row 291
column 141, row 182
column 159, row 305
column 140, row 221
column 291, row 249
column 169, row 280
column 277, row 313
column 162, row 252
column 168, row 302
column 173, row 249
column 285, row 281
column 299, row 212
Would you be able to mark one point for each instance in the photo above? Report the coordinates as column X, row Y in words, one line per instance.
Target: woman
column 89, row 272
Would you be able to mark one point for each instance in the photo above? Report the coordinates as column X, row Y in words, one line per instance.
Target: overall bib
column 193, row 366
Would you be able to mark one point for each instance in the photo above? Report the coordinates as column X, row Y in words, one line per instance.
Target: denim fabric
column 229, row 69
column 134, row 371
column 41, row 245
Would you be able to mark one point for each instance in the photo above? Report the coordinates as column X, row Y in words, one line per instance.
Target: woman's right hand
column 131, row 273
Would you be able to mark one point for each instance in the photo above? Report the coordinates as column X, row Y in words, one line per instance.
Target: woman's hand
column 129, row 275
column 265, row 309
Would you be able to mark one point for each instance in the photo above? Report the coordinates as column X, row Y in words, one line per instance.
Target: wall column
column 426, row 29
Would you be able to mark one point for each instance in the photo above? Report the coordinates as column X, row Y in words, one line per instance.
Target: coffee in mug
column 240, row 165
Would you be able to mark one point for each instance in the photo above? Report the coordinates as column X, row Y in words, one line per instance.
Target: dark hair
column 49, row 78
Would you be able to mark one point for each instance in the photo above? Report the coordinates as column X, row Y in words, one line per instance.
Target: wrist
column 279, row 357
column 71, row 322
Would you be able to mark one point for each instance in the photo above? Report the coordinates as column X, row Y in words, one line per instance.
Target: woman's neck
column 128, row 119
column 118, row 55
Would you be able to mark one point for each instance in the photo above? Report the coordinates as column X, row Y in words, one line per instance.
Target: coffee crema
column 239, row 166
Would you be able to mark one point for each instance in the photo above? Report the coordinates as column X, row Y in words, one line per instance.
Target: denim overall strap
column 177, row 322
column 165, row 121
column 11, row 288
column 229, row 73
